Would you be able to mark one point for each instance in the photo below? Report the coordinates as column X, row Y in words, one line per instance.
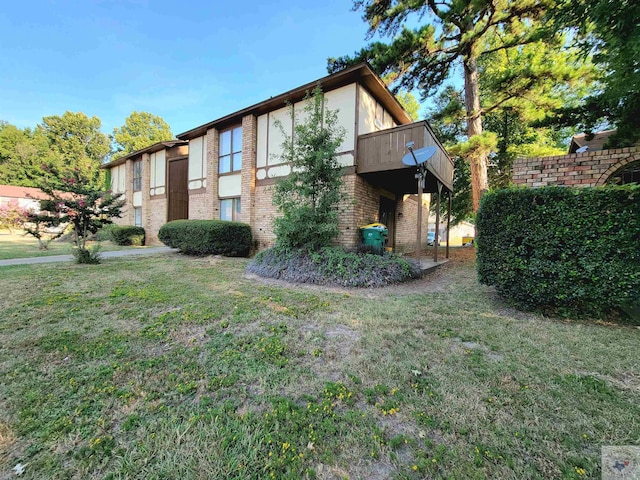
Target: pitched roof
column 156, row 147
column 596, row 143
column 361, row 72
column 13, row 191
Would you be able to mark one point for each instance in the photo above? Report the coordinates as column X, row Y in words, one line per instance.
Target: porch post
column 419, row 226
column 437, row 235
column 448, row 223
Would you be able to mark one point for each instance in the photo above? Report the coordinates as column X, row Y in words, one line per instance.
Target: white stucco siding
column 118, row 184
column 270, row 135
column 230, row 185
column 197, row 162
column 276, row 134
column 262, row 135
column 371, row 115
column 158, row 170
column 344, row 101
column 137, row 199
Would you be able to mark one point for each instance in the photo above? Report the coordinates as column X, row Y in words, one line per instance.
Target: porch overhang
column 379, row 159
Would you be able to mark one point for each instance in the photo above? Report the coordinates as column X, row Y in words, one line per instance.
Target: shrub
column 127, row 235
column 12, row 215
column 205, row 237
column 562, row 250
column 334, row 266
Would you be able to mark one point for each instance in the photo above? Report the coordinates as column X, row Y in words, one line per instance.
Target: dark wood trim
column 181, row 157
column 156, row 147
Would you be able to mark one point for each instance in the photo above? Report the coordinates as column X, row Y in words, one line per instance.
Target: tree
column 140, row 130
column 458, row 32
column 76, row 200
column 308, row 198
column 22, row 152
column 12, row 215
column 609, row 30
column 76, row 144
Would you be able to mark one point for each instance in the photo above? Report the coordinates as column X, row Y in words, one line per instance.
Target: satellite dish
column 418, row 157
column 582, row 149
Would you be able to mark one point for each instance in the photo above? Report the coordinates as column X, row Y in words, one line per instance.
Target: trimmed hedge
column 127, row 235
column 334, row 266
column 207, row 237
column 562, row 250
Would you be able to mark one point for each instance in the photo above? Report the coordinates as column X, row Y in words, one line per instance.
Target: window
column 230, row 156
column 230, row 209
column 137, row 175
column 137, row 213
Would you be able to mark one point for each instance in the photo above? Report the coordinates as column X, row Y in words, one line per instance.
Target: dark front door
column 387, row 216
column 178, row 195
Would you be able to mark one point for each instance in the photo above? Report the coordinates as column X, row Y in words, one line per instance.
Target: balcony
column 379, row 159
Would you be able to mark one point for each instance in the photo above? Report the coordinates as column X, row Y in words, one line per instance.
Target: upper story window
column 230, row 156
column 137, row 175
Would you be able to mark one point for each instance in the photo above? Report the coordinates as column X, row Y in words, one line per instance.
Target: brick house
column 226, row 168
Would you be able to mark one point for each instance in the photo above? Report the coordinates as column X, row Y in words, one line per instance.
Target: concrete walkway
column 68, row 258
column 428, row 264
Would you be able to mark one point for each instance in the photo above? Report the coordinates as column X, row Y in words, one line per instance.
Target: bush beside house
column 127, row 235
column 207, row 237
column 562, row 250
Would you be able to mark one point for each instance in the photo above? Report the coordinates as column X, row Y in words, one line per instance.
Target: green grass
column 175, row 367
column 18, row 245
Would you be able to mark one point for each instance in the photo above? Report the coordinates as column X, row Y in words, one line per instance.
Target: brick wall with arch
column 588, row 169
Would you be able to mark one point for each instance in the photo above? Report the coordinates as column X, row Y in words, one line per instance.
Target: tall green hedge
column 562, row 250
column 206, row 237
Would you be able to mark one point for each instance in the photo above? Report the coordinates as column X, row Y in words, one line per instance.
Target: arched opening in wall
column 630, row 173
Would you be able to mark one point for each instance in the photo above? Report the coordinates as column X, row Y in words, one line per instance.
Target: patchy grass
column 18, row 245
column 174, row 367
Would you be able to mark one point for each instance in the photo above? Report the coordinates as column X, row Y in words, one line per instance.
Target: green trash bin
column 374, row 235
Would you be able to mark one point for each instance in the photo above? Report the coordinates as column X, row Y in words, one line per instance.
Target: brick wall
column 249, row 156
column 264, row 214
column 156, row 217
column 588, row 169
column 407, row 220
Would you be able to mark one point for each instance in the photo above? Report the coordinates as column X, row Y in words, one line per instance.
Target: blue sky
column 189, row 62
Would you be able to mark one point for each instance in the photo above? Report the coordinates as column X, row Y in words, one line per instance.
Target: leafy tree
column 76, row 144
column 609, row 30
column 308, row 198
column 76, row 200
column 12, row 215
column 21, row 155
column 140, row 130
column 453, row 32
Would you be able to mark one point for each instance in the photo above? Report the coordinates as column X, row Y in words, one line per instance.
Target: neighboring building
column 586, row 165
column 233, row 163
column 596, row 142
column 27, row 197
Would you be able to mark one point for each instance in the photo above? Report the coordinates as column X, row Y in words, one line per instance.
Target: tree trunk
column 479, row 179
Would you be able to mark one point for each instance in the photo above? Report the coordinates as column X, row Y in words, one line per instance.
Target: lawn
column 18, row 245
column 174, row 367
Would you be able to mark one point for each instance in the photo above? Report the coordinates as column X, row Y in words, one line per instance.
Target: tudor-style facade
column 234, row 161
